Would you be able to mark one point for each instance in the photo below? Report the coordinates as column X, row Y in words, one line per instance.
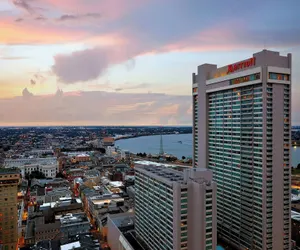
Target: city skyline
column 128, row 62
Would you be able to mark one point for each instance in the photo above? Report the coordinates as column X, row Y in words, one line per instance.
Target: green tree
column 35, row 175
column 60, row 175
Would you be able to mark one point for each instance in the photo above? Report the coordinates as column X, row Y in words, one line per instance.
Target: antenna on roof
column 265, row 46
column 161, row 148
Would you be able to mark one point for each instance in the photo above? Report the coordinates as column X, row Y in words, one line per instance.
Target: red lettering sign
column 241, row 65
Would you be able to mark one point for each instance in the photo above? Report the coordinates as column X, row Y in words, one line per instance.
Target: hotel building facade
column 242, row 124
column 175, row 210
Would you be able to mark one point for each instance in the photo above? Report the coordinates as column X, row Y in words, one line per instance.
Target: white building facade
column 48, row 166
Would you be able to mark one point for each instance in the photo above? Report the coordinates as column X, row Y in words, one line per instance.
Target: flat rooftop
column 162, row 171
column 9, row 171
column 69, row 246
column 295, row 215
column 69, row 219
column 107, row 201
column 153, row 163
column 123, row 219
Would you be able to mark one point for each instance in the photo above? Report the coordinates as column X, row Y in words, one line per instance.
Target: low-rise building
column 74, row 173
column 82, row 157
column 74, row 224
column 45, row 190
column 121, row 234
column 111, row 151
column 63, row 206
column 125, row 154
column 92, row 175
column 108, row 141
column 48, row 166
column 295, row 227
column 41, row 152
column 47, row 231
column 82, row 241
column 102, row 203
column 38, row 228
column 54, row 194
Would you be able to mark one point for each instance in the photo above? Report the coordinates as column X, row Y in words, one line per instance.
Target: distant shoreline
column 136, row 136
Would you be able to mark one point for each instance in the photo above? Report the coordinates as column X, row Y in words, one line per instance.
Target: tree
column 35, row 175
column 183, row 157
column 60, row 175
column 298, row 166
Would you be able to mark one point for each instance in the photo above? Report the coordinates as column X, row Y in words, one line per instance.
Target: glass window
column 277, row 76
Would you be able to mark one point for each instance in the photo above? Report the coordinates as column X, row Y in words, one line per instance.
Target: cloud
column 89, row 64
column 26, row 94
column 19, row 20
column 23, row 4
column 133, row 19
column 13, row 57
column 130, row 64
column 67, row 17
column 74, row 108
column 142, row 35
column 38, row 76
column 111, row 9
column 35, row 33
column 127, row 86
column 40, row 18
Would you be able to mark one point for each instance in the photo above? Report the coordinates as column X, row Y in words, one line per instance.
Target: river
column 178, row 145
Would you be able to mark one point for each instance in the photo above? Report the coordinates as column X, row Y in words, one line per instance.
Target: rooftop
column 163, row 172
column 86, row 241
column 123, row 220
column 160, row 164
column 9, row 171
column 83, row 155
column 116, row 184
column 26, row 161
column 70, row 245
column 75, row 170
column 69, row 219
column 295, row 215
column 43, row 182
column 107, row 201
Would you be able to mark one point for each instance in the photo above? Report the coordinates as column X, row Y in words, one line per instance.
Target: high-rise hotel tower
column 242, row 124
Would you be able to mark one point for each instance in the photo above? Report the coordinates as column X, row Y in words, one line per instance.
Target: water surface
column 178, row 145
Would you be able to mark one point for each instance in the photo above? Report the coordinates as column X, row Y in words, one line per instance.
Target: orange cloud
column 25, row 34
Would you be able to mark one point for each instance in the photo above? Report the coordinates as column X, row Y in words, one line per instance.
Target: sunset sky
column 129, row 62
